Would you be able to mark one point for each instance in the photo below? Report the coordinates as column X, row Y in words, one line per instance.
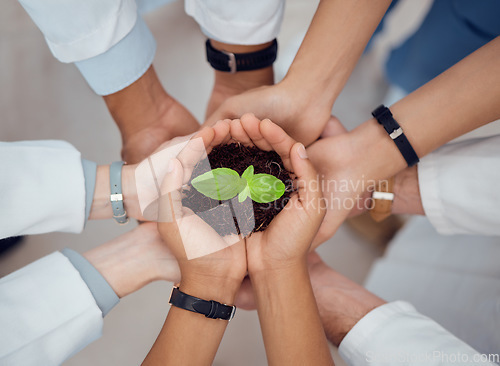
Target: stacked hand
column 302, row 115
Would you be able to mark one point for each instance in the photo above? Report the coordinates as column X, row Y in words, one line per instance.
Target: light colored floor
column 41, row 98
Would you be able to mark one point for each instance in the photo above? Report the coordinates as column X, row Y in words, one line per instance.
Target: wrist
column 101, row 205
column 123, row 263
column 274, row 288
column 341, row 302
column 232, row 84
column 241, row 81
column 271, row 272
column 304, row 93
column 376, row 156
column 407, row 199
column 139, row 105
column 310, row 88
column 228, row 84
column 210, row 288
column 129, row 188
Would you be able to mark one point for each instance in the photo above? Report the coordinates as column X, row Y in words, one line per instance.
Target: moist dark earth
column 232, row 217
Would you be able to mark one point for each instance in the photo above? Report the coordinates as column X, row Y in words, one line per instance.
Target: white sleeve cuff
column 47, row 313
column 459, row 187
column 243, row 22
column 77, row 30
column 396, row 334
column 122, row 64
column 428, row 181
column 355, row 346
column 43, row 188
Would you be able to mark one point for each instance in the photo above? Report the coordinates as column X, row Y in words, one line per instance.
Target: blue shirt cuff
column 123, row 63
column 103, row 293
column 90, row 175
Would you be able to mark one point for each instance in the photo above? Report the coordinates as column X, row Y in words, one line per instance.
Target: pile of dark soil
column 232, row 217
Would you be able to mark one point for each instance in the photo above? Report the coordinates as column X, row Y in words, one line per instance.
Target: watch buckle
column 231, row 62
column 232, row 313
column 396, row 133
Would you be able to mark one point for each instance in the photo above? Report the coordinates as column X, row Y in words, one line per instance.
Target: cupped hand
column 288, row 238
column 345, row 190
column 205, row 258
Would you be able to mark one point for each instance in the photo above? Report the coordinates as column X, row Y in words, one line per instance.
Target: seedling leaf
column 242, row 196
column 266, row 188
column 219, row 184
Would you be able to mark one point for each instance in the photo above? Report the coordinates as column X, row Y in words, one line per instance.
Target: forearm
column 332, row 46
column 147, row 116
column 139, row 105
column 289, row 318
column 461, row 99
column 341, row 302
column 407, row 198
column 189, row 338
column 128, row 262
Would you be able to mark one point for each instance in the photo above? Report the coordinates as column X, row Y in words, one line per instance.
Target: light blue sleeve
column 123, row 63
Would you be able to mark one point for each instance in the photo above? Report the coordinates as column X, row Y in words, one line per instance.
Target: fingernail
column 302, row 152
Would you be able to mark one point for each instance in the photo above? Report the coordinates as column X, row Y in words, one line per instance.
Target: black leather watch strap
column 210, row 308
column 234, row 62
column 384, row 116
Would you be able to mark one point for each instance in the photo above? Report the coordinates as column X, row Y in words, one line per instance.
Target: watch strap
column 116, row 197
column 384, row 116
column 210, row 308
column 234, row 62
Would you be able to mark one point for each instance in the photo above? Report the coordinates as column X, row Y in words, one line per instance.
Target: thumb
column 307, row 180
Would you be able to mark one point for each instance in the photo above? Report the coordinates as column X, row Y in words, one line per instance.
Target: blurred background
column 41, row 98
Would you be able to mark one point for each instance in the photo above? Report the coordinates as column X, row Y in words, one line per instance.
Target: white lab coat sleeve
column 396, row 334
column 47, row 313
column 42, row 188
column 459, row 187
column 244, row 22
column 77, row 30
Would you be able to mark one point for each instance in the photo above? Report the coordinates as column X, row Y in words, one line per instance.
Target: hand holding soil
column 212, row 231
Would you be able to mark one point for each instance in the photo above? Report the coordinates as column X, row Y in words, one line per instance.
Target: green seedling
column 224, row 184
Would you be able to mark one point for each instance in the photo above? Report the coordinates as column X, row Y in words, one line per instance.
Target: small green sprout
column 224, row 184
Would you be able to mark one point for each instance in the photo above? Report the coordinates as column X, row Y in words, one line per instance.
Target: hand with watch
column 275, row 260
column 212, row 268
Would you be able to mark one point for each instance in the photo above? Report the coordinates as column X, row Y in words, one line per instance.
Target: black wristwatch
column 384, row 116
column 234, row 62
column 211, row 309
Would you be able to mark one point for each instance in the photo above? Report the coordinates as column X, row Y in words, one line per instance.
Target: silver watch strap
column 116, row 198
